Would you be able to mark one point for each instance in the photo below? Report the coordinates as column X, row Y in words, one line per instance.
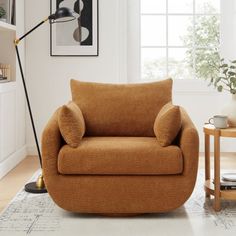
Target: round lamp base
column 32, row 188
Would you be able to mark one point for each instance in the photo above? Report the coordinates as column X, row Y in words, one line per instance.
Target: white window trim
column 167, row 45
column 134, row 54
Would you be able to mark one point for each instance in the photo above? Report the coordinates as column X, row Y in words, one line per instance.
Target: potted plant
column 2, row 14
column 226, row 81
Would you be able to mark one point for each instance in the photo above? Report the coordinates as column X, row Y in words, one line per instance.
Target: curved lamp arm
column 30, row 31
column 61, row 15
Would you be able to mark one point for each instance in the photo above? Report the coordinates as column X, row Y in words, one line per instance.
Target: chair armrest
column 51, row 145
column 188, row 141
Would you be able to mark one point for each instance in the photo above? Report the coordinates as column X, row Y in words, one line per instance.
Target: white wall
column 48, row 77
column 20, row 97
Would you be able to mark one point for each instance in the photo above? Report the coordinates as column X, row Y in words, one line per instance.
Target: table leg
column 217, row 206
column 207, row 159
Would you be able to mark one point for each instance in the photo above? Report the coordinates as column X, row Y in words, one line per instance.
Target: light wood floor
column 15, row 179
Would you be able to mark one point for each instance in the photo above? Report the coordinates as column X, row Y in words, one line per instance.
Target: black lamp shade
column 62, row 14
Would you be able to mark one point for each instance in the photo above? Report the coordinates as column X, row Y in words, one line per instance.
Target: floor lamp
column 61, row 15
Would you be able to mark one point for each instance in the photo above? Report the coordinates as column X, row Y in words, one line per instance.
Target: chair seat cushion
column 120, row 156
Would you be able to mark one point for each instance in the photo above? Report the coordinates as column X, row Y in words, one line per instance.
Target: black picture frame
column 93, row 49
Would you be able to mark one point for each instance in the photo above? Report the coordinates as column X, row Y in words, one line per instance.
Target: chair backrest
column 121, row 109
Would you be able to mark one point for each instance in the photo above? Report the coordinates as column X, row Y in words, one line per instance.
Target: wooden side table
column 210, row 188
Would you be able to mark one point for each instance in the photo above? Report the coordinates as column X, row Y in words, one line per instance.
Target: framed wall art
column 78, row 37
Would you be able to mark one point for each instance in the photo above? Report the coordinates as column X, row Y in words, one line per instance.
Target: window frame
column 195, row 47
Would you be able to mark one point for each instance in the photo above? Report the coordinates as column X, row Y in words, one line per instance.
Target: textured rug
column 30, row 214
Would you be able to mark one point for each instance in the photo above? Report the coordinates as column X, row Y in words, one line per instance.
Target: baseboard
column 31, row 150
column 12, row 161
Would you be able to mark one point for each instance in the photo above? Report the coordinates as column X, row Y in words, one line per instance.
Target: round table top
column 228, row 132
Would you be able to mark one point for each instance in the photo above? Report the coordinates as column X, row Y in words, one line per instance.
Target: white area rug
column 30, row 214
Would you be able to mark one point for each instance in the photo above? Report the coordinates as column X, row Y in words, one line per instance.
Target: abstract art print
column 78, row 37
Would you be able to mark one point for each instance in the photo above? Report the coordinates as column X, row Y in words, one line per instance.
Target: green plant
column 2, row 12
column 226, row 79
column 205, row 35
column 202, row 56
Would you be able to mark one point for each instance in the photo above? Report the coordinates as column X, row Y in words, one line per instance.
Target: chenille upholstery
column 124, row 173
column 120, row 156
column 71, row 124
column 167, row 124
column 121, row 110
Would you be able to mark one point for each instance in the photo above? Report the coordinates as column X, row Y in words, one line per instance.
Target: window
column 180, row 38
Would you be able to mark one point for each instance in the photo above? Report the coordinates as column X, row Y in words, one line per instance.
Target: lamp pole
column 38, row 186
column 61, row 15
